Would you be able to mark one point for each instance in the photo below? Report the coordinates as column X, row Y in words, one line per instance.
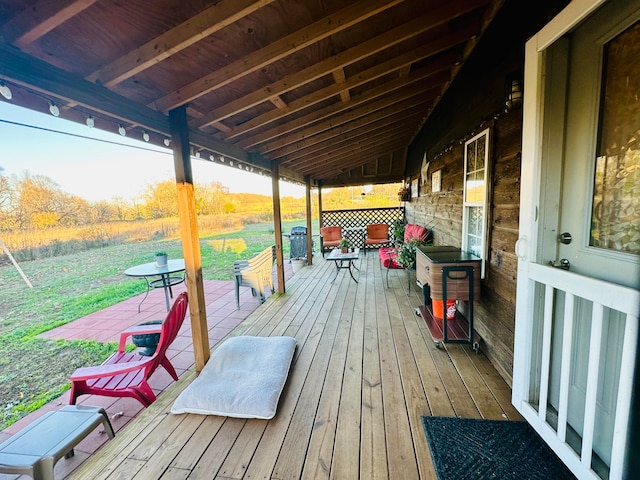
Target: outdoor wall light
column 53, row 108
column 145, row 136
column 5, row 91
column 90, row 121
column 514, row 97
column 122, row 131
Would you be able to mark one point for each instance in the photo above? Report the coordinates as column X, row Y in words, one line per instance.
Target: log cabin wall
column 475, row 101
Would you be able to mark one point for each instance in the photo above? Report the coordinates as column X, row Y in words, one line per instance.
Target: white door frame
column 532, row 275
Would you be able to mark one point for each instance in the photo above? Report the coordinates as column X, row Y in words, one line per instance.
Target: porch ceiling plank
column 346, row 160
column 363, row 105
column 361, row 348
column 49, row 80
column 338, row 134
column 343, row 59
column 439, row 65
column 281, row 48
column 364, row 136
column 39, row 19
column 206, row 23
column 436, row 72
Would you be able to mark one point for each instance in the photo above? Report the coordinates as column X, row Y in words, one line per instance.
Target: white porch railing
column 604, row 299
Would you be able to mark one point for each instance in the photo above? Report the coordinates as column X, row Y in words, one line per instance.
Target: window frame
column 483, row 203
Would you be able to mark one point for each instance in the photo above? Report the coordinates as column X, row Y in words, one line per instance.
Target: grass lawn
column 34, row 371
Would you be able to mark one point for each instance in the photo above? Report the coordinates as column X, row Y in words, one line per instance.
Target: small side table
column 344, row 261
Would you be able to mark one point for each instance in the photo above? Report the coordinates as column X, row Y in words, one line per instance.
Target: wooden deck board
column 364, row 372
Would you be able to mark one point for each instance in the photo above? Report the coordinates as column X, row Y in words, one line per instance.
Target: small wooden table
column 344, row 261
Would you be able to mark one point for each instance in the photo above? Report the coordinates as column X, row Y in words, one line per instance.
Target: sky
column 98, row 170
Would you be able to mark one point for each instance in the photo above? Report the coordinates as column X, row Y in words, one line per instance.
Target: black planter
column 147, row 343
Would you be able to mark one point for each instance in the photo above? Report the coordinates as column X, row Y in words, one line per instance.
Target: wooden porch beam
column 401, row 61
column 383, row 106
column 206, row 23
column 189, row 235
column 277, row 225
column 307, row 185
column 366, row 49
column 39, row 19
column 281, row 48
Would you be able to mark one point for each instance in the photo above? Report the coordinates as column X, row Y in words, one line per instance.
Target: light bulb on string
column 197, row 153
column 231, row 162
column 211, row 157
column 90, row 121
column 5, row 91
column 167, row 141
column 145, row 136
column 221, row 159
column 122, row 131
column 53, row 108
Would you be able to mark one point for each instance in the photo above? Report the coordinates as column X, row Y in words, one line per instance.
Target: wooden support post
column 189, row 235
column 309, row 229
column 277, row 224
column 320, row 205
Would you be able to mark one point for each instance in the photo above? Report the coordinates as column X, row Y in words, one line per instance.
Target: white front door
column 575, row 340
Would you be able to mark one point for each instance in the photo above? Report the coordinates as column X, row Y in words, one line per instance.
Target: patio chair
column 389, row 255
column 330, row 238
column 377, row 236
column 126, row 374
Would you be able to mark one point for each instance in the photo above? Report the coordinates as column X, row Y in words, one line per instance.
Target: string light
column 221, row 159
column 211, row 157
column 167, row 141
column 230, row 162
column 5, row 91
column 53, row 108
column 121, row 130
column 90, row 121
column 145, row 136
column 197, row 153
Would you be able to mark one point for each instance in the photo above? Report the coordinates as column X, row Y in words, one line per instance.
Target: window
column 475, row 195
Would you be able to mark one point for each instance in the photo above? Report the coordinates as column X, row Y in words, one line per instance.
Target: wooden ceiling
column 330, row 89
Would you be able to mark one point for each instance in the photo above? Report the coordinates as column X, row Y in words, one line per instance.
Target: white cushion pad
column 243, row 378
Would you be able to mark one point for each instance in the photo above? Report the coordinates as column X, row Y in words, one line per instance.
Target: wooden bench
column 256, row 273
column 35, row 449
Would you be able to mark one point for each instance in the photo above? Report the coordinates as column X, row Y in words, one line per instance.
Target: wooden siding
column 364, row 372
column 495, row 309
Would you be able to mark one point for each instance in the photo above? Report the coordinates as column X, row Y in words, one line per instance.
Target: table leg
column 166, row 285
column 351, row 271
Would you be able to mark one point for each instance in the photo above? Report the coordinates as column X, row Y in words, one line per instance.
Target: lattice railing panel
column 359, row 219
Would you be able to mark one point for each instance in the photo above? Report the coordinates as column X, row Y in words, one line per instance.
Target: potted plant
column 344, row 245
column 161, row 259
column 398, row 232
column 407, row 253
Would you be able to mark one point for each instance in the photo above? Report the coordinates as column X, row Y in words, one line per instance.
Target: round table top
column 150, row 269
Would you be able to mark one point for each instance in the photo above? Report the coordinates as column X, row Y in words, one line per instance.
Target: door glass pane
column 615, row 219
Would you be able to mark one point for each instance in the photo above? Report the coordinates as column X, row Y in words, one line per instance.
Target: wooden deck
column 365, row 370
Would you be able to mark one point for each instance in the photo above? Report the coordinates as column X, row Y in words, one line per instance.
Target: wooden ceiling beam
column 439, row 64
column 361, row 137
column 375, row 99
column 343, row 133
column 39, row 19
column 383, row 126
column 353, row 159
column 370, row 47
column 340, row 78
column 345, row 153
column 206, row 23
column 281, row 48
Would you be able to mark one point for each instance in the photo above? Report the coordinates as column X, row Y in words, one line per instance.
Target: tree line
column 34, row 202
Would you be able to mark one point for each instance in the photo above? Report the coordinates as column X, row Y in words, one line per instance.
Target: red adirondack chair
column 125, row 374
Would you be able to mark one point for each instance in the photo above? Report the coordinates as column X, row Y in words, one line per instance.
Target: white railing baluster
column 546, row 352
column 591, row 395
column 623, row 405
column 565, row 370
